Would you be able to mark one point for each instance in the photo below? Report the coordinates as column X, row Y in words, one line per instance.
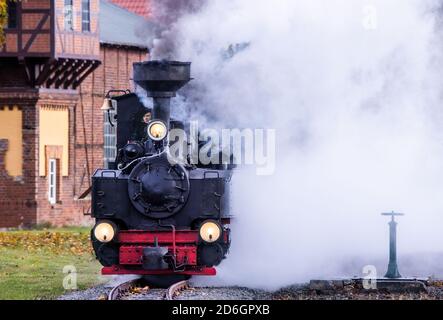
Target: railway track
column 175, row 288
column 129, row 288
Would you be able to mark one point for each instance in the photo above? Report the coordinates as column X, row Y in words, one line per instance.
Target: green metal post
column 392, row 272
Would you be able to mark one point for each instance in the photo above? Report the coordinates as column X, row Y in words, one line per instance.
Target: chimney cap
column 162, row 78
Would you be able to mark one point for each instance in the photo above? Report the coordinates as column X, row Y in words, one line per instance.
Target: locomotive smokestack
column 161, row 80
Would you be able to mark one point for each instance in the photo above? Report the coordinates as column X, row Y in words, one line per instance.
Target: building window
column 52, row 194
column 110, row 140
column 12, row 15
column 86, row 15
column 69, row 15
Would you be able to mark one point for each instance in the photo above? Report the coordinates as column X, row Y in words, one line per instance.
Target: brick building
column 59, row 60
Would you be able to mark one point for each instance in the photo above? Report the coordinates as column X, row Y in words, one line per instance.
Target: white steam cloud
column 354, row 90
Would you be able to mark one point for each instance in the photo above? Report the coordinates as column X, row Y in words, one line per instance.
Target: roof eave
column 122, row 44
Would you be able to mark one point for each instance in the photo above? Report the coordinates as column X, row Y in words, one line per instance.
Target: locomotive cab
column 155, row 216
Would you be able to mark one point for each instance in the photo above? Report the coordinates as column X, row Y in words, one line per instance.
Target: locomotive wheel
column 164, row 281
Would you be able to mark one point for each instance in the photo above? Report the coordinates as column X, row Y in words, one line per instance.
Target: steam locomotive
column 154, row 216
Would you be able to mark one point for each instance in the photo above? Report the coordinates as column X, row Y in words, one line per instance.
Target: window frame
column 109, row 139
column 15, row 26
column 86, row 9
column 68, row 8
column 52, row 180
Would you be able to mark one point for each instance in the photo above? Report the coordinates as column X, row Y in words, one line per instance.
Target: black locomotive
column 155, row 216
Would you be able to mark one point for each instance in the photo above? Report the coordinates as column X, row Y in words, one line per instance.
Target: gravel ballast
column 296, row 292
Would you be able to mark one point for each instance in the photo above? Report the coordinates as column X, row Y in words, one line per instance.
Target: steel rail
column 176, row 287
column 122, row 288
column 119, row 290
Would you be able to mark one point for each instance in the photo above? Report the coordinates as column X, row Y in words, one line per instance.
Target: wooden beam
column 52, row 27
column 73, row 65
column 48, row 69
column 94, row 66
column 30, row 71
column 84, row 65
column 36, row 10
column 19, row 29
column 36, row 32
column 61, row 70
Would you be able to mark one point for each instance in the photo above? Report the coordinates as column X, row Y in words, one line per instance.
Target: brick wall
column 17, row 194
column 15, row 208
column 28, row 22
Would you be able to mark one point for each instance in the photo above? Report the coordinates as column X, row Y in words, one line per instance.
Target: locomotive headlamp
column 104, row 231
column 157, row 130
column 210, row 231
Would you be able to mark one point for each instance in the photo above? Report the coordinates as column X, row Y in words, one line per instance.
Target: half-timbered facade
column 55, row 68
column 56, row 43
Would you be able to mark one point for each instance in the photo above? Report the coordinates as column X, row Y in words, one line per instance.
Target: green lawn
column 32, row 262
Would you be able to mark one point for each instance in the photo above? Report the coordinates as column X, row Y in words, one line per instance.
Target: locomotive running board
column 121, row 270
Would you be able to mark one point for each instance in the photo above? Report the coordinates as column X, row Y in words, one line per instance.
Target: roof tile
column 139, row 7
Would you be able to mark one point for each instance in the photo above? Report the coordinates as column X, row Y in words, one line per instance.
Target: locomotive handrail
column 173, row 239
column 108, row 171
column 209, row 172
column 108, row 94
column 129, row 164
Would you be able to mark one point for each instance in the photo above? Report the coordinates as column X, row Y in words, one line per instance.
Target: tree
column 3, row 19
